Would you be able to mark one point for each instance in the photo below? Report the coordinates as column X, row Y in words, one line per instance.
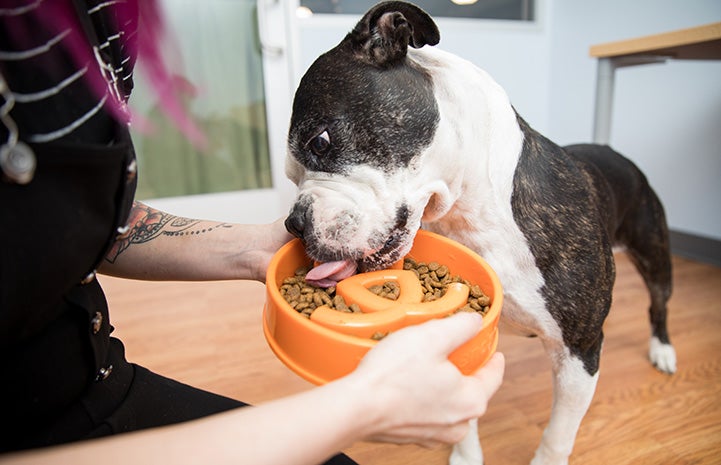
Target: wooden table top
column 696, row 43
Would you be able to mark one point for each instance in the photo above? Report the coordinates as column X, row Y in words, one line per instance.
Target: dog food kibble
column 433, row 276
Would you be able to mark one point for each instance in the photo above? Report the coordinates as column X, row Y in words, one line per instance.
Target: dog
column 388, row 135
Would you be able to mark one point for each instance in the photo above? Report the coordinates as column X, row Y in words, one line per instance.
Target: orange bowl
column 320, row 354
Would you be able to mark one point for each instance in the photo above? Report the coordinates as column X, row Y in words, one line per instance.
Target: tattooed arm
column 161, row 246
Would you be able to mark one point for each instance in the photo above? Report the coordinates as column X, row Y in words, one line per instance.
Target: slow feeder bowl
column 331, row 346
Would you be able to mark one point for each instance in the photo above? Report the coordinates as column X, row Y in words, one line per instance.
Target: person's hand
column 261, row 242
column 416, row 393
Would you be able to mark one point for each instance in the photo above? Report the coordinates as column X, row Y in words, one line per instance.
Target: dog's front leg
column 468, row 451
column 573, row 389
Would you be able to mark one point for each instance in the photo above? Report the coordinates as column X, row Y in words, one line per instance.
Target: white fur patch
column 663, row 356
column 573, row 390
column 479, row 127
column 354, row 211
column 468, row 450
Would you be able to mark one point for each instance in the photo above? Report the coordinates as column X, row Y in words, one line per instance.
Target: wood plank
column 209, row 335
column 697, row 43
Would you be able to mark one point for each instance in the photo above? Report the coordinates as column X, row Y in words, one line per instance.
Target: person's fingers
column 444, row 335
column 476, row 390
column 491, row 374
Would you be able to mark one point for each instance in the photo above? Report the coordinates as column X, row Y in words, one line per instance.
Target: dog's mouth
column 391, row 251
column 330, row 273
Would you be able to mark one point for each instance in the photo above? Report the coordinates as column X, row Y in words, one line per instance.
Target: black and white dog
column 384, row 139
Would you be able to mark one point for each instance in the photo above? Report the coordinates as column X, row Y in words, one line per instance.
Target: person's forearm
column 306, row 428
column 162, row 246
column 405, row 390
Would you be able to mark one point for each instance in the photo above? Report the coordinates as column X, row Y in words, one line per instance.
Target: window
column 521, row 10
column 238, row 88
column 221, row 81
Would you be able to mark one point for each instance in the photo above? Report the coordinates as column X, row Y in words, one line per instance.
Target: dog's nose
column 296, row 221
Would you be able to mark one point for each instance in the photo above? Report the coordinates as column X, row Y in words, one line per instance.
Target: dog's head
column 362, row 117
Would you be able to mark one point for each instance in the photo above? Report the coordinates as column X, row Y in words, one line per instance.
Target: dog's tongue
column 328, row 274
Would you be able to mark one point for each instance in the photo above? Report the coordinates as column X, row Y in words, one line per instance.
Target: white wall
column 667, row 118
column 515, row 54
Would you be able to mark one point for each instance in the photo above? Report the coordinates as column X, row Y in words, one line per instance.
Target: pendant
column 18, row 162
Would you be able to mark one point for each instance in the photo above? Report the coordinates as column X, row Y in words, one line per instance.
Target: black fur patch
column 557, row 208
column 381, row 117
column 573, row 204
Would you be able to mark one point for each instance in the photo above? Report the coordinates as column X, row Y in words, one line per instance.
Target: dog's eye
column 320, row 144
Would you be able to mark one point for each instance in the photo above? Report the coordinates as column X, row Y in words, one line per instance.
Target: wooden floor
column 209, row 335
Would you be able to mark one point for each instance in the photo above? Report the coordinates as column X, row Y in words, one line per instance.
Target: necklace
column 17, row 160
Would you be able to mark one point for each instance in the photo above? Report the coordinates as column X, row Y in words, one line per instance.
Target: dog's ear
column 387, row 29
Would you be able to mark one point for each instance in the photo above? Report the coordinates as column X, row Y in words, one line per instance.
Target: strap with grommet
column 88, row 278
column 103, row 373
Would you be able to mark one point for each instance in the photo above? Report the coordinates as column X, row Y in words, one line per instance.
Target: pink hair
column 59, row 16
column 152, row 33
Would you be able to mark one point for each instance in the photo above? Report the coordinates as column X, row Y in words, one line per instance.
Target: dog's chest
column 494, row 234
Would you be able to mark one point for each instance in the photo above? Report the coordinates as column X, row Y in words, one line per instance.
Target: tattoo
column 147, row 223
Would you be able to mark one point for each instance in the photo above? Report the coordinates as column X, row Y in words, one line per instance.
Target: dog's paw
column 544, row 456
column 468, row 451
column 458, row 458
column 663, row 356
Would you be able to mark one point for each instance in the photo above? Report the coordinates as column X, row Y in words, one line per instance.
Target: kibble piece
column 377, row 289
column 476, row 291
column 339, row 303
column 302, row 306
column 394, row 294
column 442, row 271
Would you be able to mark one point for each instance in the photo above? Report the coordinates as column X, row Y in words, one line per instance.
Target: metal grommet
column 89, row 278
column 103, row 373
column 122, row 232
column 131, row 171
column 97, row 322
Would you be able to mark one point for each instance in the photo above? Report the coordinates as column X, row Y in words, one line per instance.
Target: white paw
column 544, row 456
column 458, row 458
column 663, row 356
column 468, row 451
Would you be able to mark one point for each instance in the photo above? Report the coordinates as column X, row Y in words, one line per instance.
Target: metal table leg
column 605, row 77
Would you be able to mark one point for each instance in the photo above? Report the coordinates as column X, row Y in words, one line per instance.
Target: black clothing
column 64, row 378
